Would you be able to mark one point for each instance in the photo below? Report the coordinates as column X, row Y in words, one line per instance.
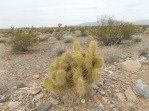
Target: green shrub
column 83, row 33
column 113, row 32
column 74, row 72
column 20, row 41
column 59, row 35
column 127, row 30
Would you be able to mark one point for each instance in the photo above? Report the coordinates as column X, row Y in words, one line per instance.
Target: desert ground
column 21, row 77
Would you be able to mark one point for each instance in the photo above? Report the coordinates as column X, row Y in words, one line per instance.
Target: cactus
column 93, row 47
column 75, row 71
column 76, row 46
column 80, row 86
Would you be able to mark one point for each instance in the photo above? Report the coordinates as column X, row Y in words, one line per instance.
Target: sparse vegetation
column 60, row 49
column 143, row 48
column 74, row 72
column 112, row 54
column 68, row 39
column 59, row 35
column 137, row 39
column 112, row 31
column 83, row 33
column 20, row 40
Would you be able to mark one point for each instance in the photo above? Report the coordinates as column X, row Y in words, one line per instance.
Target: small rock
column 1, row 104
column 45, row 107
column 100, row 106
column 4, row 98
column 105, row 100
column 117, row 91
column 111, row 72
column 20, row 84
column 141, row 89
column 102, row 93
column 112, row 106
column 131, row 65
column 83, row 101
column 114, row 109
column 13, row 104
column 54, row 101
column 120, row 96
column 36, row 76
column 130, row 95
column 89, row 105
column 3, row 88
column 34, row 90
column 139, row 81
column 95, row 87
column 100, row 83
column 39, row 96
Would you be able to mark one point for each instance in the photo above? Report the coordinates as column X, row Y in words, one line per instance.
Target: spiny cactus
column 75, row 71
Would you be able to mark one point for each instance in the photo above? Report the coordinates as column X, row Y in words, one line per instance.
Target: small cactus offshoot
column 75, row 71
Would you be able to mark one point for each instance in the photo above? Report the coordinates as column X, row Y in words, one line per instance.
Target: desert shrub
column 112, row 54
column 127, row 30
column 137, row 39
column 83, row 31
column 143, row 48
column 74, row 72
column 50, row 31
column 72, row 29
column 144, row 27
column 68, row 39
column 60, row 49
column 3, row 40
column 41, row 39
column 20, row 41
column 112, row 31
column 59, row 35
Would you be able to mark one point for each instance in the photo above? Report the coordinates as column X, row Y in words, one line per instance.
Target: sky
column 48, row 13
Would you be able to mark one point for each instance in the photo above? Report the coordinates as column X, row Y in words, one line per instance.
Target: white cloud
column 22, row 13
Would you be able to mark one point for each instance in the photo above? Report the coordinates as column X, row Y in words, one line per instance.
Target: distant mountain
column 141, row 22
column 137, row 22
column 88, row 24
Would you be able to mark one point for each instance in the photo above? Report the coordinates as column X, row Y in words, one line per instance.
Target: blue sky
column 40, row 13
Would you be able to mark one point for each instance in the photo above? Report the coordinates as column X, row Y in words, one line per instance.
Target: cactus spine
column 75, row 71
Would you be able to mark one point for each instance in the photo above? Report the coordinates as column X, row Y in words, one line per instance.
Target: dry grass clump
column 68, row 39
column 60, row 49
column 42, row 39
column 143, row 48
column 137, row 39
column 3, row 40
column 112, row 54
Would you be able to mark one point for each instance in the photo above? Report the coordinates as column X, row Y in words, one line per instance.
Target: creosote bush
column 75, row 72
column 20, row 41
column 83, row 31
column 112, row 31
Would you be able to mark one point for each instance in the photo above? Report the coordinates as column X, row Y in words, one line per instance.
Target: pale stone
column 130, row 95
column 131, row 65
column 120, row 96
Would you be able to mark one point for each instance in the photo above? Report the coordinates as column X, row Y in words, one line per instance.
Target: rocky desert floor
column 124, row 85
